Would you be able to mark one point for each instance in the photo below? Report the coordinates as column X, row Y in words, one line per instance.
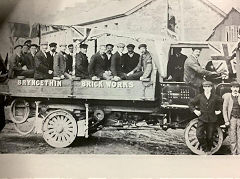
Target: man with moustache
column 144, row 68
column 109, row 55
column 81, row 66
column 231, row 115
column 117, row 64
column 97, row 68
column 130, row 61
column 59, row 63
column 43, row 69
column 69, row 63
column 51, row 53
column 193, row 72
column 209, row 105
column 29, row 63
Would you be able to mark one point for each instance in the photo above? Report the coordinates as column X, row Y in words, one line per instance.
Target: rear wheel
column 59, row 129
column 193, row 143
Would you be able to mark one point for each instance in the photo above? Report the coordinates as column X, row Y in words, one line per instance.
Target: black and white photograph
column 120, row 77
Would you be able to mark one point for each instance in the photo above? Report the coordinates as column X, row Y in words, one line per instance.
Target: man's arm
column 56, row 66
column 225, row 107
column 39, row 66
column 148, row 68
column 196, row 67
column 114, row 65
column 91, row 67
column 193, row 103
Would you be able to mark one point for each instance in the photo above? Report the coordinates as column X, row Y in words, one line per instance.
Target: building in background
column 228, row 29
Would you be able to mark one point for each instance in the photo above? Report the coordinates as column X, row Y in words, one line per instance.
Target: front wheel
column 193, row 143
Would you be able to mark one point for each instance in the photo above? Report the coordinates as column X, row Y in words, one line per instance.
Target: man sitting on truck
column 144, row 68
column 193, row 72
column 43, row 69
column 81, row 66
column 97, row 68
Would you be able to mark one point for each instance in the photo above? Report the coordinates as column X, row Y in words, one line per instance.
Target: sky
column 226, row 5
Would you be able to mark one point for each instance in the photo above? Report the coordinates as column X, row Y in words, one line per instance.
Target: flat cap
column 85, row 46
column 121, row 45
column 110, row 45
column 44, row 43
column 207, row 83
column 34, row 45
column 142, row 45
column 16, row 46
column 130, row 45
column 70, row 45
column 28, row 42
column 235, row 84
column 53, row 44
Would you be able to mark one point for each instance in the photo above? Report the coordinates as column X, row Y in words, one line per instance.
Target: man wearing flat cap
column 193, row 72
column 43, row 69
column 144, row 68
column 29, row 63
column 130, row 60
column 59, row 63
column 117, row 63
column 16, row 62
column 109, row 55
column 81, row 64
column 69, row 63
column 97, row 68
column 231, row 115
column 206, row 107
column 51, row 53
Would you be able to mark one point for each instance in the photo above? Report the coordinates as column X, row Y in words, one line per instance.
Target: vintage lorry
column 61, row 110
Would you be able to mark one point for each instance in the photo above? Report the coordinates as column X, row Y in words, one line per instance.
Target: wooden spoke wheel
column 26, row 127
column 59, row 128
column 193, row 143
column 19, row 111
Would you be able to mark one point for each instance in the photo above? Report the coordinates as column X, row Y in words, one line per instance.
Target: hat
column 196, row 48
column 110, row 45
column 53, row 44
column 16, row 46
column 207, row 83
column 62, row 44
column 34, row 45
column 142, row 45
column 70, row 45
column 121, row 45
column 85, row 46
column 44, row 43
column 235, row 84
column 27, row 41
column 130, row 45
column 27, row 45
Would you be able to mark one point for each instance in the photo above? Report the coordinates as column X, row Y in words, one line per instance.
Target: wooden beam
column 238, row 63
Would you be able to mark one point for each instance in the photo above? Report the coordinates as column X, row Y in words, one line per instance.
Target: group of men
column 31, row 62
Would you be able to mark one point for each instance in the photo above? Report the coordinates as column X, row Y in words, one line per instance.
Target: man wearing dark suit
column 29, row 63
column 193, row 72
column 81, row 65
column 117, row 64
column 51, row 53
column 109, row 55
column 69, row 63
column 59, row 63
column 130, row 59
column 97, row 68
column 42, row 66
column 175, row 67
column 16, row 62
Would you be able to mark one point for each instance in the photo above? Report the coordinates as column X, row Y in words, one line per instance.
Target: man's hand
column 227, row 123
column 50, row 72
column 170, row 77
column 62, row 77
column 130, row 73
column 24, row 67
column 197, row 112
column 218, row 112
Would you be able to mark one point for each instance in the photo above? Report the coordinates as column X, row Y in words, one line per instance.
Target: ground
column 170, row 142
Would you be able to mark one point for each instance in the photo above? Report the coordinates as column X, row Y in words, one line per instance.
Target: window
column 232, row 33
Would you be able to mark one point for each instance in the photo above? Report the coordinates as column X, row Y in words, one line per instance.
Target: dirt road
column 170, row 142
